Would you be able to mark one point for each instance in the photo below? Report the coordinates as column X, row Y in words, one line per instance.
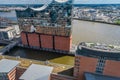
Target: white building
column 7, row 33
column 17, row 29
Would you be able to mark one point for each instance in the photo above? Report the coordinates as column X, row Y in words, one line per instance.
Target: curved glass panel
column 52, row 18
column 61, row 1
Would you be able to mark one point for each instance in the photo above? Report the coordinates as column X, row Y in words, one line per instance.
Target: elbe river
column 86, row 31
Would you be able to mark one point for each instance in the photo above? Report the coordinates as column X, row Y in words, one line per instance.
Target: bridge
column 8, row 47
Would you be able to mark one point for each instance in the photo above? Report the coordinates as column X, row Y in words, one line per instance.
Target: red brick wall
column 76, row 67
column 12, row 74
column 63, row 43
column 46, row 41
column 60, row 77
column 19, row 71
column 33, row 39
column 86, row 64
column 112, row 68
column 60, row 43
column 23, row 38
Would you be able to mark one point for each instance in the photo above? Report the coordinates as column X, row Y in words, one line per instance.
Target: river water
column 86, row 31
column 10, row 15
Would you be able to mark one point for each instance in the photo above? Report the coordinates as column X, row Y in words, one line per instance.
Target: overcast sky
column 75, row 1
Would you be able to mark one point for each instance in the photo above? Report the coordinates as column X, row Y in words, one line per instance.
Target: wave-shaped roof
column 43, row 7
column 40, row 9
column 61, row 1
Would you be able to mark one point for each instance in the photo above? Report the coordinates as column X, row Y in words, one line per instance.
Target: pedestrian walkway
column 8, row 47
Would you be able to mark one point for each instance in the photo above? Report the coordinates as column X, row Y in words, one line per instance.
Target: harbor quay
column 44, row 50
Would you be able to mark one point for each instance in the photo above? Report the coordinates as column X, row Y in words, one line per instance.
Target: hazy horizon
column 3, row 2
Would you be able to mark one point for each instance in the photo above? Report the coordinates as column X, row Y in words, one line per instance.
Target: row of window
column 100, row 65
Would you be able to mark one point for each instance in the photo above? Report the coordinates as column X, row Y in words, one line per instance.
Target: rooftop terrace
column 102, row 47
column 97, row 50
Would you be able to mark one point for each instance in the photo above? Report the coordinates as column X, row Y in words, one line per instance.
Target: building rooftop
column 99, row 46
column 98, row 50
column 6, row 28
column 92, row 76
column 57, row 68
column 37, row 72
column 7, row 65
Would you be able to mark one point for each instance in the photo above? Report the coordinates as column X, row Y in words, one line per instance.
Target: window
column 100, row 65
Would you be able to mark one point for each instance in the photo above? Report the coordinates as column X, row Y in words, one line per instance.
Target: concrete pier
column 8, row 47
column 5, row 42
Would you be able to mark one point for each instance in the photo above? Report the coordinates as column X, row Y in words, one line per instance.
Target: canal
column 2, row 46
column 41, row 55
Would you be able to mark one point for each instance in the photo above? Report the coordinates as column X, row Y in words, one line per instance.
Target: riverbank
column 96, row 21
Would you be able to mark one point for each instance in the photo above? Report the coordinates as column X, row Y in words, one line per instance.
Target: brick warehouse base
column 96, row 61
column 59, row 43
column 112, row 68
column 24, row 38
column 84, row 64
column 46, row 41
column 33, row 39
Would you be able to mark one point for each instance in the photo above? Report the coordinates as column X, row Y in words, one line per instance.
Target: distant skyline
column 97, row 1
column 75, row 1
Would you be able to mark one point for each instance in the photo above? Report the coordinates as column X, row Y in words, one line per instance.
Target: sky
column 75, row 1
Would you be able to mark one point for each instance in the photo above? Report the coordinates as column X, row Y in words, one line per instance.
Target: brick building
column 98, row 61
column 48, row 27
column 45, row 41
column 8, row 69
